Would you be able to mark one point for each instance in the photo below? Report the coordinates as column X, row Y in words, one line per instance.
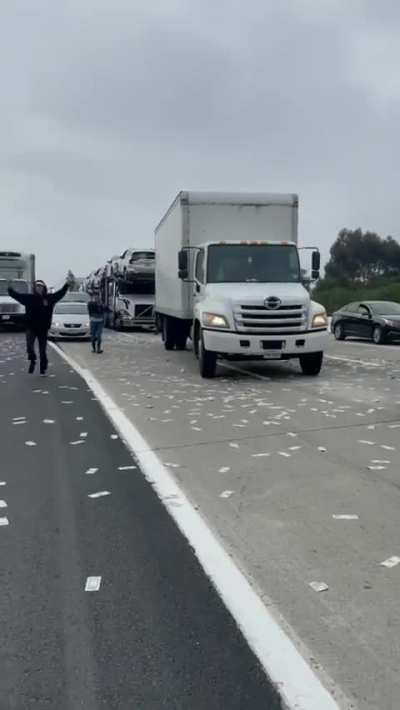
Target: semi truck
column 16, row 270
column 228, row 275
column 129, row 303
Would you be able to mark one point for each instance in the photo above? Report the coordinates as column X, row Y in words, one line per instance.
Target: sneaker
column 99, row 351
column 32, row 366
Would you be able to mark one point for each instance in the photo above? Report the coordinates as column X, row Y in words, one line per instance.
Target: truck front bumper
column 271, row 347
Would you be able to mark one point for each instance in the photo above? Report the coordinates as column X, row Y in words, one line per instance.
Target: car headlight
column 320, row 320
column 55, row 324
column 86, row 325
column 214, row 320
column 392, row 323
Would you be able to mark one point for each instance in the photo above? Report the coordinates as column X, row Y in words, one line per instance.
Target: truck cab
column 249, row 301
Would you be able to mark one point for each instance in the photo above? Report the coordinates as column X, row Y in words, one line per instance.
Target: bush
column 335, row 294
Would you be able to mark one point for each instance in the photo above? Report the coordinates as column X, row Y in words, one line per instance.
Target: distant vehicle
column 70, row 320
column 129, row 304
column 76, row 297
column 135, row 264
column 228, row 275
column 376, row 320
column 16, row 270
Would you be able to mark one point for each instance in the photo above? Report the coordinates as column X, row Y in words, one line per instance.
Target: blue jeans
column 96, row 332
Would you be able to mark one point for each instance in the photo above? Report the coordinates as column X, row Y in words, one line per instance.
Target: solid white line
column 294, row 679
column 357, row 362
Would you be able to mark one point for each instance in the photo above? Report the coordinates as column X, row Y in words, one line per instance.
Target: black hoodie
column 39, row 309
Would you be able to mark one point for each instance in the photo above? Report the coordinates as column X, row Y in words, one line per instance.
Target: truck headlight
column 214, row 320
column 55, row 325
column 320, row 320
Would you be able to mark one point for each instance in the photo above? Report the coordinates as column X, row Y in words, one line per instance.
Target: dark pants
column 96, row 332
column 31, row 336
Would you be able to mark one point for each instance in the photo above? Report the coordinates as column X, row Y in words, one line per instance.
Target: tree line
column 362, row 265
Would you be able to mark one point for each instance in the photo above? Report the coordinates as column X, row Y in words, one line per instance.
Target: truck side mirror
column 315, row 265
column 183, row 264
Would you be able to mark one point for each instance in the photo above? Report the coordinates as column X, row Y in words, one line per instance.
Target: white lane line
column 357, row 362
column 126, row 468
column 289, row 672
column 99, row 494
column 345, row 516
column 92, row 584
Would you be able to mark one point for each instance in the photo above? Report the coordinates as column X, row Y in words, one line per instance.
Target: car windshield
column 386, row 308
column 20, row 286
column 71, row 309
column 140, row 255
column 253, row 263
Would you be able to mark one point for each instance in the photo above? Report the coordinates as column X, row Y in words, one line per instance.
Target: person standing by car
column 39, row 307
column 96, row 314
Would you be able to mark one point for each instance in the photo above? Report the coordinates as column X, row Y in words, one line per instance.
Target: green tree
column 71, row 278
column 362, row 256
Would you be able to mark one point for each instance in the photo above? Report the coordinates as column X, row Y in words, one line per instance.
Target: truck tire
column 311, row 364
column 168, row 333
column 180, row 341
column 117, row 323
column 207, row 359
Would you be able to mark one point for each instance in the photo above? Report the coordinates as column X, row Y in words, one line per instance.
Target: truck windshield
column 253, row 263
column 20, row 286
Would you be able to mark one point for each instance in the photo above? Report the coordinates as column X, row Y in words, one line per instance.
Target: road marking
column 30, row 443
column 3, row 521
column 285, row 667
column 92, row 584
column 76, row 443
column 345, row 517
column 126, row 468
column 357, row 362
column 3, row 504
column 48, row 421
column 99, row 494
column 91, row 471
column 3, row 483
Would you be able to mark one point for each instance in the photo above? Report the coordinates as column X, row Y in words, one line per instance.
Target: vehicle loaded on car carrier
column 228, row 275
column 129, row 302
column 18, row 271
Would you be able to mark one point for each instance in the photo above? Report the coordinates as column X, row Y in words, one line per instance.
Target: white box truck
column 16, row 270
column 228, row 275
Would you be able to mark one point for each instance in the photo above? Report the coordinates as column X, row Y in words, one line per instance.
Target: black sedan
column 376, row 320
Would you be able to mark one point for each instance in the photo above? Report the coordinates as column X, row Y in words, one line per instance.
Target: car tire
column 207, row 359
column 180, row 341
column 311, row 364
column 339, row 331
column 378, row 335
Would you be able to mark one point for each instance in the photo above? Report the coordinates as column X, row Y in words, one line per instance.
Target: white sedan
column 70, row 320
column 135, row 264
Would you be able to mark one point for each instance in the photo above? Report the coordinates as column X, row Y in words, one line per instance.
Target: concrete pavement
column 155, row 633
column 274, row 461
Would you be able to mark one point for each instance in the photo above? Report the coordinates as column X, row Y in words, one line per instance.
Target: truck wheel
column 180, row 341
column 168, row 334
column 311, row 364
column 207, row 359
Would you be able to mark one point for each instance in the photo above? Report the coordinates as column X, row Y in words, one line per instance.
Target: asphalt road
column 299, row 477
column 155, row 634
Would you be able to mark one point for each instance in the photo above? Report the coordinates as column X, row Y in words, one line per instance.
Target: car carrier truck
column 16, row 270
column 129, row 303
column 228, row 275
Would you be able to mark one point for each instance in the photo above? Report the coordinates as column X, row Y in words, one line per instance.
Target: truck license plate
column 271, row 354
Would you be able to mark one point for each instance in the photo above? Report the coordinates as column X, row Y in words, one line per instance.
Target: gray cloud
column 111, row 107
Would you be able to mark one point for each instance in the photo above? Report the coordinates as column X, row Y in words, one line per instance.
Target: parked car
column 135, row 264
column 376, row 320
column 70, row 320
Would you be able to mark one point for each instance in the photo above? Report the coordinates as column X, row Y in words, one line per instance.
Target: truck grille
column 8, row 308
column 287, row 318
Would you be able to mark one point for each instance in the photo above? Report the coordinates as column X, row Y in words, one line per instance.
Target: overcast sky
column 110, row 107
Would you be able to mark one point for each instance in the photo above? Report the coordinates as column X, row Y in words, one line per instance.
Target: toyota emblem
column 272, row 302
